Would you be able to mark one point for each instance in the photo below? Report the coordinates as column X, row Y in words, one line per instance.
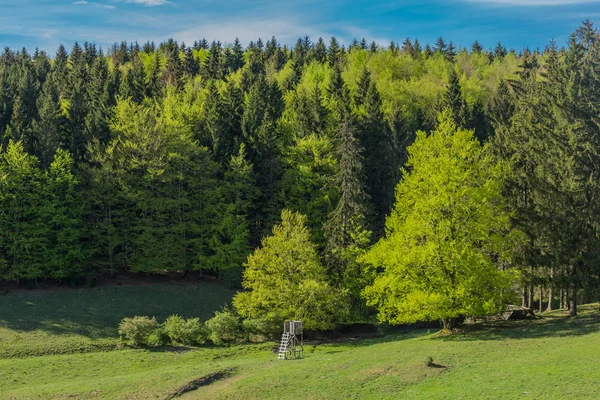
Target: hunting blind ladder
column 292, row 341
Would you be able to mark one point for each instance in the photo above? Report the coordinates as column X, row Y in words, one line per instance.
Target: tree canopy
column 446, row 233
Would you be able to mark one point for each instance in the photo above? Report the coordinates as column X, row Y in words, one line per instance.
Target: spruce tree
column 454, row 100
column 320, row 51
column 440, row 45
column 333, row 53
column 374, row 138
column 154, row 86
column 345, row 231
column 50, row 126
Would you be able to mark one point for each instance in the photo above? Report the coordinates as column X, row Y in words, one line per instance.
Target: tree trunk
column 551, row 291
column 573, row 304
column 561, row 298
column 573, row 307
column 524, row 297
column 449, row 324
column 530, row 297
column 541, row 305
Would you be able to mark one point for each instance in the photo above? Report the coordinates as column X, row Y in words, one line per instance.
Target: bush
column 185, row 332
column 263, row 328
column 158, row 338
column 223, row 327
column 137, row 330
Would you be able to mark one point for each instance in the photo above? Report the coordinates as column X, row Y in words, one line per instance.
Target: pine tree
column 212, row 67
column 237, row 56
column 192, row 67
column 77, row 103
column 320, row 51
column 450, row 53
column 154, row 86
column 136, row 77
column 333, row 53
column 500, row 51
column 454, row 100
column 97, row 119
column 476, row 48
column 64, row 256
column 427, row 52
column 440, row 45
column 374, row 138
column 173, row 70
column 417, row 49
column 407, row 47
column 50, row 126
column 345, row 230
column 231, row 244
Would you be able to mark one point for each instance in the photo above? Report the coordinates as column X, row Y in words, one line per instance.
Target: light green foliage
column 307, row 184
column 42, row 223
column 185, row 332
column 446, row 233
column 137, row 330
column 284, row 280
column 165, row 184
column 224, row 327
column 260, row 328
column 23, row 238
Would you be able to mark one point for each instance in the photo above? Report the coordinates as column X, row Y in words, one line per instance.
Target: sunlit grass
column 554, row 357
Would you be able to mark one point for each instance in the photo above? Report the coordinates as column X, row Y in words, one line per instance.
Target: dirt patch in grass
column 201, row 382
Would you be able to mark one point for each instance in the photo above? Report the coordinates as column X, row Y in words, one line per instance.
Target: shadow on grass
column 556, row 324
column 396, row 336
column 96, row 312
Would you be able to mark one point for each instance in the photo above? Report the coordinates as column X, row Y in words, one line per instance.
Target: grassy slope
column 85, row 320
column 554, row 357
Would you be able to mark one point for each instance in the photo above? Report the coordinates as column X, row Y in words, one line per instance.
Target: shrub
column 186, row 332
column 223, row 327
column 263, row 328
column 137, row 330
column 158, row 338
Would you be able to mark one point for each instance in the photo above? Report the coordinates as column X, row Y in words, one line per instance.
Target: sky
column 516, row 23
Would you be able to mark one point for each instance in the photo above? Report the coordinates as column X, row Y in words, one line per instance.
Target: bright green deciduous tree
column 447, row 235
column 285, row 280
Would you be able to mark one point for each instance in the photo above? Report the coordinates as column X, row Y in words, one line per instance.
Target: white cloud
column 149, row 3
column 83, row 2
column 530, row 3
column 249, row 29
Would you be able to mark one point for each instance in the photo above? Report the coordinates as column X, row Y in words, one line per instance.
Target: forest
column 423, row 181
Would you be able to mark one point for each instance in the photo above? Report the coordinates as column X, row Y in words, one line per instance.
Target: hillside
column 531, row 359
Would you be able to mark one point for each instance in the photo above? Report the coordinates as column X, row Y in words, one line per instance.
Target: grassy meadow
column 64, row 344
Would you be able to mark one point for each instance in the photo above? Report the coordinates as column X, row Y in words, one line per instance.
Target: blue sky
column 517, row 23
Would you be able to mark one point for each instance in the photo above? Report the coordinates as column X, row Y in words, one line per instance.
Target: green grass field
column 86, row 320
column 550, row 358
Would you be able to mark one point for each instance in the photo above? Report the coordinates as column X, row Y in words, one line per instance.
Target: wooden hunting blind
column 292, row 341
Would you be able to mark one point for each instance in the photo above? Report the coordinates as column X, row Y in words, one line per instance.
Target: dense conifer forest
column 173, row 158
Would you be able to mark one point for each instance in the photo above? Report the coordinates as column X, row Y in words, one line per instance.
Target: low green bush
column 137, row 330
column 185, row 332
column 224, row 327
column 158, row 338
column 256, row 329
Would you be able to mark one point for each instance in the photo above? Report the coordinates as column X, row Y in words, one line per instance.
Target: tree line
column 172, row 158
